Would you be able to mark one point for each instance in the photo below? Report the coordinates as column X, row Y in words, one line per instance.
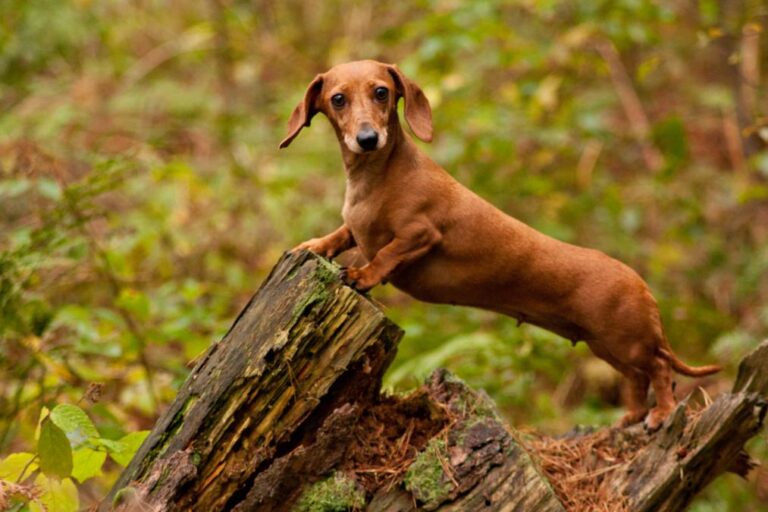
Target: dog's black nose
column 368, row 139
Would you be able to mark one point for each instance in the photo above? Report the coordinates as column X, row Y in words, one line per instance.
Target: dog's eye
column 338, row 100
column 381, row 93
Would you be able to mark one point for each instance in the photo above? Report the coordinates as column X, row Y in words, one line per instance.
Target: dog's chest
column 369, row 223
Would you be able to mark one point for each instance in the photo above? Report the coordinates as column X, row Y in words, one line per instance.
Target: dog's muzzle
column 368, row 139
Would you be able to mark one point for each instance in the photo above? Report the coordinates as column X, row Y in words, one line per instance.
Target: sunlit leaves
column 54, row 451
column 87, row 463
column 16, row 465
column 75, row 423
column 57, row 495
column 123, row 450
column 69, row 447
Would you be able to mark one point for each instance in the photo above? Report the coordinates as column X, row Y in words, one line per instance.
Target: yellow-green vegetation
column 143, row 198
column 426, row 478
column 337, row 493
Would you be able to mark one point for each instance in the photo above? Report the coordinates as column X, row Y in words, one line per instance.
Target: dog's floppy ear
column 304, row 111
column 418, row 113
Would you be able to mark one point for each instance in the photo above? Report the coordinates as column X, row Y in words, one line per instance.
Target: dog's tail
column 680, row 367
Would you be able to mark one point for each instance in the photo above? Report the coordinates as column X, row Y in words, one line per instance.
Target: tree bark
column 285, row 413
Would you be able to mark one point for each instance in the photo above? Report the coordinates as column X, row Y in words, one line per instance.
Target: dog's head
column 360, row 98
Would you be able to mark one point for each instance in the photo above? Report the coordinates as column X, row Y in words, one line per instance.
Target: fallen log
column 285, row 413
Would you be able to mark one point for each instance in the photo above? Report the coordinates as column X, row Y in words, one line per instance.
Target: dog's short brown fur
column 436, row 240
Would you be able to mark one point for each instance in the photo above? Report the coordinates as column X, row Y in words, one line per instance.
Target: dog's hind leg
column 634, row 363
column 661, row 380
column 635, row 394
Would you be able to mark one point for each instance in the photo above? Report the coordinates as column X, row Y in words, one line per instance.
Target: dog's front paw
column 630, row 418
column 358, row 278
column 315, row 245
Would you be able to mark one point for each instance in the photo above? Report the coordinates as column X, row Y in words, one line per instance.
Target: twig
column 593, row 474
column 587, row 162
column 749, row 68
column 733, row 142
column 630, row 102
column 189, row 41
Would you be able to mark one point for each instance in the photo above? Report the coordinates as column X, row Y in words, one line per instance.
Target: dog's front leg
column 329, row 245
column 409, row 244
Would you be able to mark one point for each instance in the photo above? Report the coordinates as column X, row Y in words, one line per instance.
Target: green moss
column 124, row 495
column 294, row 271
column 164, row 473
column 485, row 408
column 336, row 493
column 327, row 270
column 318, row 296
column 468, row 401
column 173, row 427
column 425, row 478
column 325, row 273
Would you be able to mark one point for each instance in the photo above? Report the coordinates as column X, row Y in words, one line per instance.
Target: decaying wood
column 290, row 371
column 478, row 464
column 285, row 413
column 692, row 450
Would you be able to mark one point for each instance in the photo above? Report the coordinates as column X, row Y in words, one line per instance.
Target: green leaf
column 86, row 463
column 11, row 188
column 669, row 135
column 54, row 450
column 57, row 495
column 129, row 446
column 49, row 188
column 12, row 466
column 74, row 422
column 112, row 446
column 135, row 302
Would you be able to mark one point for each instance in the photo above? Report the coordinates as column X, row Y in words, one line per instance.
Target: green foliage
column 68, row 446
column 123, row 450
column 143, row 198
column 57, row 495
column 15, row 465
column 73, row 420
column 87, row 463
column 54, row 451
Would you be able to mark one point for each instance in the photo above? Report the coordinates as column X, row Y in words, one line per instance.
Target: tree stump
column 270, row 405
column 285, row 413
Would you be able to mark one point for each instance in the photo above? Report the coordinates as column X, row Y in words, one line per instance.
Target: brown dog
column 439, row 242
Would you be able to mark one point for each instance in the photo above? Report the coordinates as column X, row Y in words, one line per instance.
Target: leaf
column 57, row 495
column 12, row 466
column 86, row 463
column 112, row 446
column 547, row 93
column 669, row 135
column 49, row 188
column 12, row 188
column 74, row 422
column 134, row 302
column 130, row 445
column 54, row 450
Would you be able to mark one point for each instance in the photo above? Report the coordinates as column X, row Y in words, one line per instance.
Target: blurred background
column 143, row 198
